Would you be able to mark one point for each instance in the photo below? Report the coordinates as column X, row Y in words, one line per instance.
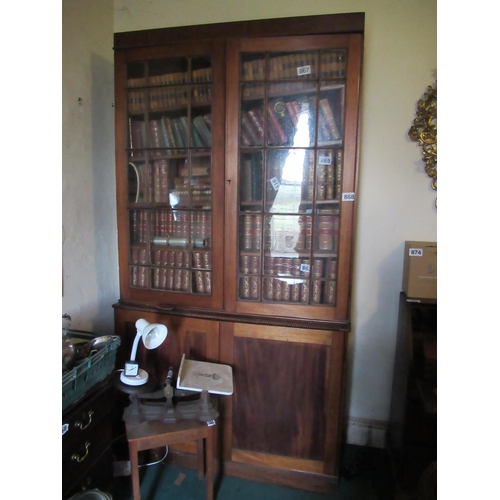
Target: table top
column 155, row 427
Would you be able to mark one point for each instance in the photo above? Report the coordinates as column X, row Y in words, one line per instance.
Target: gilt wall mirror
column 424, row 131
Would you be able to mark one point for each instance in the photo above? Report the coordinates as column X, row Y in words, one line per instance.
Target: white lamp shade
column 153, row 335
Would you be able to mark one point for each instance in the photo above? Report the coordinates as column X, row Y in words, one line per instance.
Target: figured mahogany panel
column 279, row 397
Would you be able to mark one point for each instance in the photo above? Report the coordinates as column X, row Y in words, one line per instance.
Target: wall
column 395, row 203
column 89, row 239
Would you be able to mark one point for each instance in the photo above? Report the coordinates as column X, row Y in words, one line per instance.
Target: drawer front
column 82, row 422
column 99, row 475
column 77, row 465
column 87, row 435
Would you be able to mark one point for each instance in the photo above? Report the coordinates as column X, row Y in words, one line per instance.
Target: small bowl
column 100, row 342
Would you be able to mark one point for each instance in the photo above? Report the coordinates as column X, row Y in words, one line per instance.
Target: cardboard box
column 420, row 269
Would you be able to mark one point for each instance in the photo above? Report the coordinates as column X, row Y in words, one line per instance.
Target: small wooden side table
column 154, row 434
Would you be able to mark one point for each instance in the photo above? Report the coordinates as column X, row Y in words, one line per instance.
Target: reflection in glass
column 285, row 230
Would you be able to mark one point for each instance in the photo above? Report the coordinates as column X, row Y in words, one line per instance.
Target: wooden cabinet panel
column 285, row 410
column 277, row 403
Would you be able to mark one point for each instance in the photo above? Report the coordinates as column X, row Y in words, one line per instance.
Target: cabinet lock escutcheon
column 81, row 425
column 81, row 458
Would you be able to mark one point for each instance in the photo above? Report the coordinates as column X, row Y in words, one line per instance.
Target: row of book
column 181, row 280
column 147, row 224
column 162, row 98
column 157, row 182
column 179, row 258
column 178, row 280
column 332, row 64
column 173, row 78
column 298, row 291
column 170, row 133
column 328, row 178
column 285, row 117
column 289, row 266
column 172, row 258
column 253, row 90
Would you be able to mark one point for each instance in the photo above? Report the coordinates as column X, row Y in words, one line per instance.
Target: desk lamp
column 153, row 335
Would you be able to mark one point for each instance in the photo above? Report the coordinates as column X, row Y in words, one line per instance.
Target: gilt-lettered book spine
column 338, row 174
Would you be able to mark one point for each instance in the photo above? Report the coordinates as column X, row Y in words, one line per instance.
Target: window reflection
column 285, row 229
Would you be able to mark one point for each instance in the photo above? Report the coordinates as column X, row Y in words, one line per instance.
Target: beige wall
column 395, row 201
column 90, row 251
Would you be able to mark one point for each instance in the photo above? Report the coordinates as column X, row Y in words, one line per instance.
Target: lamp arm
column 135, row 345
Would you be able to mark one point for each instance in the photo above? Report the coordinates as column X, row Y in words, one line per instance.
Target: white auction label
column 275, row 183
column 303, row 70
column 416, row 252
column 347, row 196
column 304, row 268
column 325, row 160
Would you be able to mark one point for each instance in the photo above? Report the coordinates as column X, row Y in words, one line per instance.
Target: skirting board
column 366, row 432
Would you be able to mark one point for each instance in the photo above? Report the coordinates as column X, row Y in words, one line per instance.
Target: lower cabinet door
column 285, row 411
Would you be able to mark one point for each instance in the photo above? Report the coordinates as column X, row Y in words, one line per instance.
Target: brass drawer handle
column 80, row 425
column 79, row 458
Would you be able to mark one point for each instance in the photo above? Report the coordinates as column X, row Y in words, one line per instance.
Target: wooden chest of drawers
column 87, row 460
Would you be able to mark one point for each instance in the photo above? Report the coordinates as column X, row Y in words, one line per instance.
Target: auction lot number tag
column 347, row 196
column 416, row 252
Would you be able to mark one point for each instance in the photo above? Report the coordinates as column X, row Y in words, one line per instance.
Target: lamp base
column 140, row 379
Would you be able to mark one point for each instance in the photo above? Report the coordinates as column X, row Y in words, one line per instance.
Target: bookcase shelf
column 234, row 145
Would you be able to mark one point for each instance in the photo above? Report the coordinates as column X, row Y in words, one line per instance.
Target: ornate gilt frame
column 424, row 131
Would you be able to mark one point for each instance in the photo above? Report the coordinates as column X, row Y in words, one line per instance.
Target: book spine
column 177, row 132
column 274, row 122
column 200, row 124
column 249, row 129
column 183, row 125
column 258, row 124
column 330, row 120
column 166, row 136
column 170, row 131
column 154, row 127
column 246, row 184
column 157, row 182
column 291, row 111
column 164, row 181
column 256, row 178
column 338, row 174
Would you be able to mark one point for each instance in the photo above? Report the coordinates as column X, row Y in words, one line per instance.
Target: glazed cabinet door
column 170, row 142
column 292, row 107
column 284, row 413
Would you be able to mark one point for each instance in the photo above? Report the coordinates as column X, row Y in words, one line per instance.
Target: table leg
column 134, row 470
column 200, row 459
column 209, row 458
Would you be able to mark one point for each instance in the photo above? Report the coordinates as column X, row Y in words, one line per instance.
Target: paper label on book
column 347, row 196
column 304, row 70
column 416, row 252
column 211, row 423
column 275, row 183
column 325, row 160
column 65, row 428
column 305, row 268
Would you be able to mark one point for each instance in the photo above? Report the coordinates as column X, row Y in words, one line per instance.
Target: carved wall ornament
column 424, row 131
